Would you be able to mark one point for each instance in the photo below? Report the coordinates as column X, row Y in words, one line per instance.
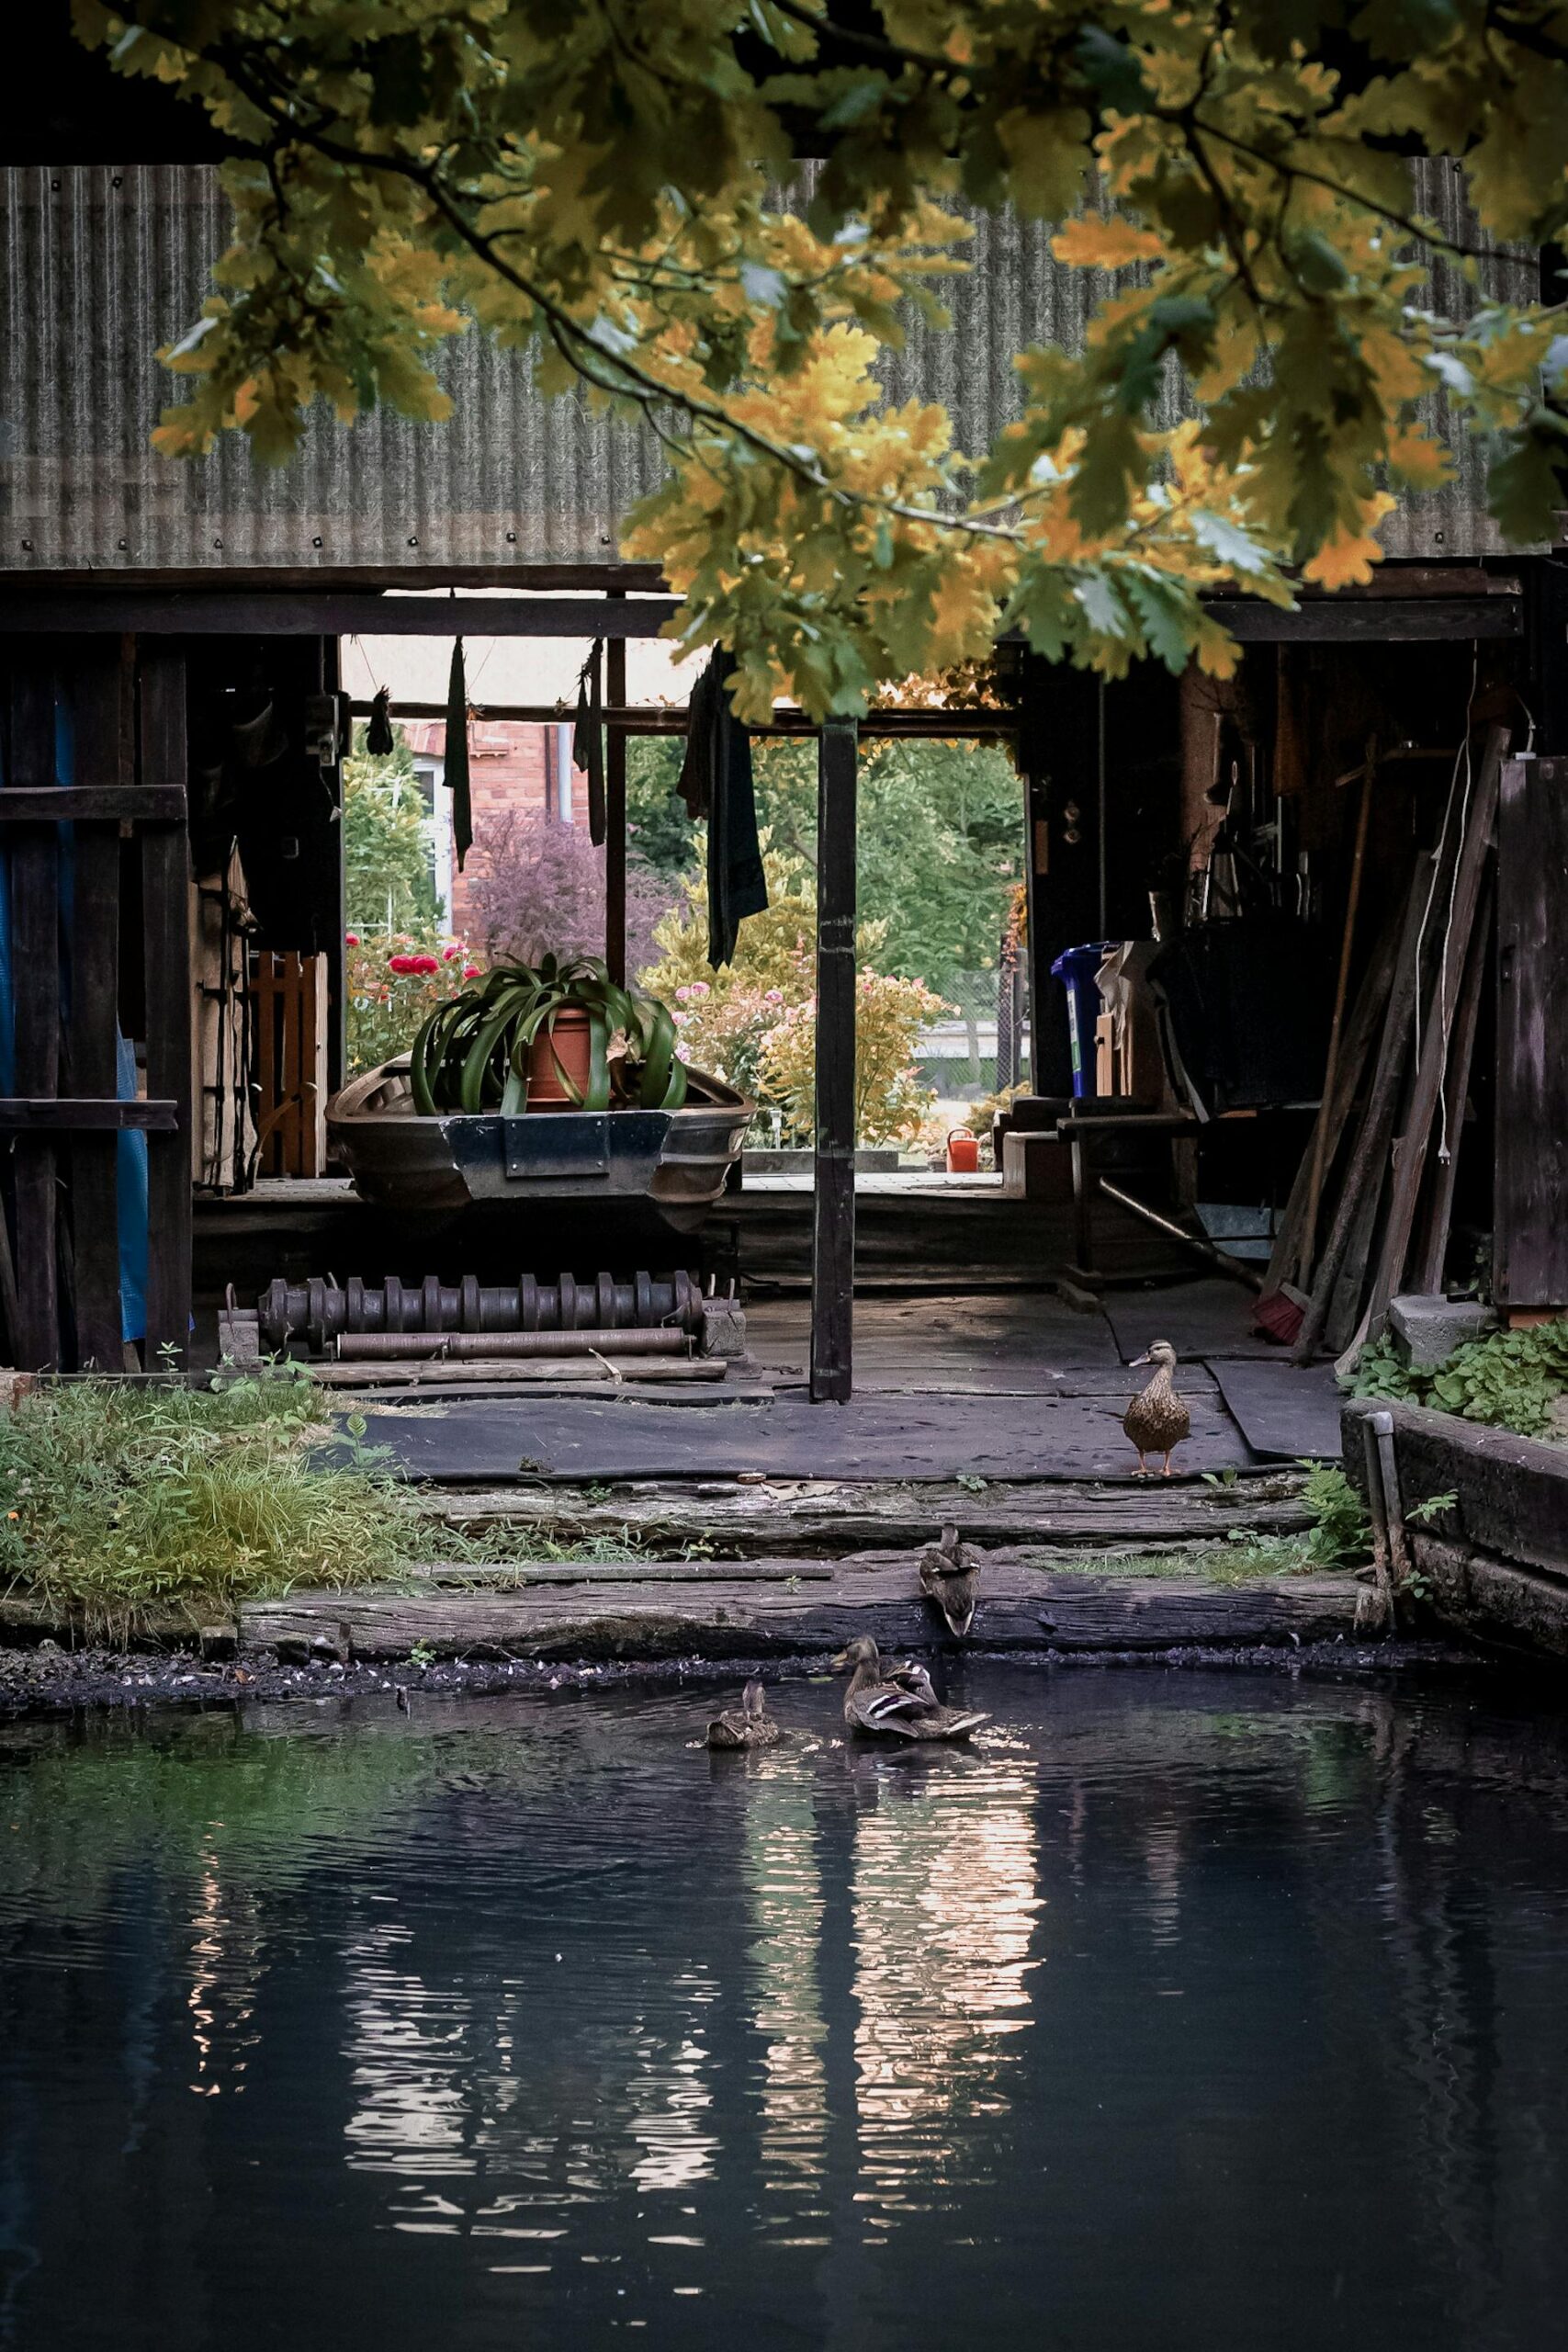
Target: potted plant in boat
column 454, row 1120
column 561, row 1036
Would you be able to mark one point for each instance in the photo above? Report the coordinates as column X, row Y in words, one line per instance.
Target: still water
column 1182, row 2011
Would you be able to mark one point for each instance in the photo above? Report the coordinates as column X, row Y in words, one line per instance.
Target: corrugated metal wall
column 102, row 266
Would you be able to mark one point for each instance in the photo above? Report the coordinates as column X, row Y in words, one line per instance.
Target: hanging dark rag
column 379, row 734
column 457, row 755
column 717, row 783
column 588, row 737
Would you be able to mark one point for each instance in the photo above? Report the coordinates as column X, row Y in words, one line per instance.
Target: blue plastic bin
column 1076, row 968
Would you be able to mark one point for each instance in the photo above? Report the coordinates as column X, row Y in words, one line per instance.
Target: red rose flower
column 351, row 939
column 403, row 963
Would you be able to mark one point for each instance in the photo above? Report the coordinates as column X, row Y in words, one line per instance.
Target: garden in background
column 940, row 868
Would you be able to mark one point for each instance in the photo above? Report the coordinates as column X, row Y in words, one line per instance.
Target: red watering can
column 963, row 1152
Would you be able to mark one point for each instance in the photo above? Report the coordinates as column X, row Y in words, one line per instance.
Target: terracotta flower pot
column 570, row 1047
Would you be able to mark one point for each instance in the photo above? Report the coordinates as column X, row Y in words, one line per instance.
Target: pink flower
column 681, row 994
column 351, row 939
column 470, row 971
column 698, row 987
column 402, row 962
column 425, row 964
column 773, row 996
column 450, row 954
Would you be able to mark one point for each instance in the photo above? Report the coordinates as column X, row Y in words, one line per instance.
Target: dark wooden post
column 833, row 1230
column 1530, row 1265
column 615, row 811
column 166, row 886
column 35, row 963
column 104, row 691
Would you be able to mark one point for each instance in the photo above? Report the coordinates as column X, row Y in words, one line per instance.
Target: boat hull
column 674, row 1161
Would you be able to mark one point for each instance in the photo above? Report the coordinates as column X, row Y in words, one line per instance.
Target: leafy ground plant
column 1511, row 1380
column 126, row 1509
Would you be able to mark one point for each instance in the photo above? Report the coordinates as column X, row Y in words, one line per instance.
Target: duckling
column 949, row 1573
column 748, row 1725
column 899, row 1701
column 1157, row 1421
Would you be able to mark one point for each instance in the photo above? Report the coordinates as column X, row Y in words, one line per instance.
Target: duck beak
column 1138, row 1361
column 841, row 1663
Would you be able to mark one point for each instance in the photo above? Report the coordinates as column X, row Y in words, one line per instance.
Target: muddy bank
column 44, row 1680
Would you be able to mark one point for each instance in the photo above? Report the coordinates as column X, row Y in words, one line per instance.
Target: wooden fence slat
column 35, row 948
column 102, row 687
column 165, row 870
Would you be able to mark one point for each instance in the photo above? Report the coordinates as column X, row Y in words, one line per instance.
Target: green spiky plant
column 472, row 1054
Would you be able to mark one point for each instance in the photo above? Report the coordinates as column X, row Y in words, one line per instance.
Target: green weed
column 1510, row 1380
column 125, row 1509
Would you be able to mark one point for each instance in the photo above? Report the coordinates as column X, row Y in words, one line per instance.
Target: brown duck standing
column 897, row 1702
column 748, row 1725
column 1157, row 1421
column 949, row 1573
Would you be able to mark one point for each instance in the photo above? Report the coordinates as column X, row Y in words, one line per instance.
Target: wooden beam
column 1372, row 620
column 616, row 817
column 76, row 1113
column 50, row 804
column 213, row 614
column 35, row 954
column 102, row 689
column 833, row 1228
column 165, row 892
column 670, row 718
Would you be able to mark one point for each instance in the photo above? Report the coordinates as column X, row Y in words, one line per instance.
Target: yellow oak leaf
column 1094, row 242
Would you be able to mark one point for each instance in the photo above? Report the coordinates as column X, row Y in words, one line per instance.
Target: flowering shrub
column 393, row 983
column 753, row 1022
column 891, row 1102
column 537, row 889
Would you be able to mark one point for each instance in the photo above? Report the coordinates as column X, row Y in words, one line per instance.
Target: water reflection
column 548, row 2026
column 943, row 1902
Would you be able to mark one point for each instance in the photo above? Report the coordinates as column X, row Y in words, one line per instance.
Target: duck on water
column 895, row 1702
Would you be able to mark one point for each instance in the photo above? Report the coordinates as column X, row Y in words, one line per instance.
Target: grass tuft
column 127, row 1510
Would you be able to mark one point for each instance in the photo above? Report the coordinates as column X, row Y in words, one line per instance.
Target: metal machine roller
column 322, row 1312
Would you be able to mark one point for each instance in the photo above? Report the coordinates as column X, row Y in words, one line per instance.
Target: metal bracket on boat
column 556, row 1144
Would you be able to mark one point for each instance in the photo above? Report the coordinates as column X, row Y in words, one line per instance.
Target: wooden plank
column 37, row 804
column 34, row 949
column 102, row 686
column 1512, row 1492
column 213, row 613
column 263, row 989
column 59, row 1114
column 833, row 1224
column 165, row 871
column 1362, row 1183
column 1380, row 620
column 1019, row 1609
column 616, row 817
column 821, row 1516
column 1432, row 1248
column 1530, row 1264
column 1410, row 1155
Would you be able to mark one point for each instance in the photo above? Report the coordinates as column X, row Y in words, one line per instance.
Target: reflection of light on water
column 225, row 1961
column 408, row 2064
column 944, row 1905
column 670, row 2097
column 784, row 1889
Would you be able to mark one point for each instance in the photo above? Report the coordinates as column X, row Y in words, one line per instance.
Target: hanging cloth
column 588, row 738
column 457, row 755
column 717, row 783
column 379, row 734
